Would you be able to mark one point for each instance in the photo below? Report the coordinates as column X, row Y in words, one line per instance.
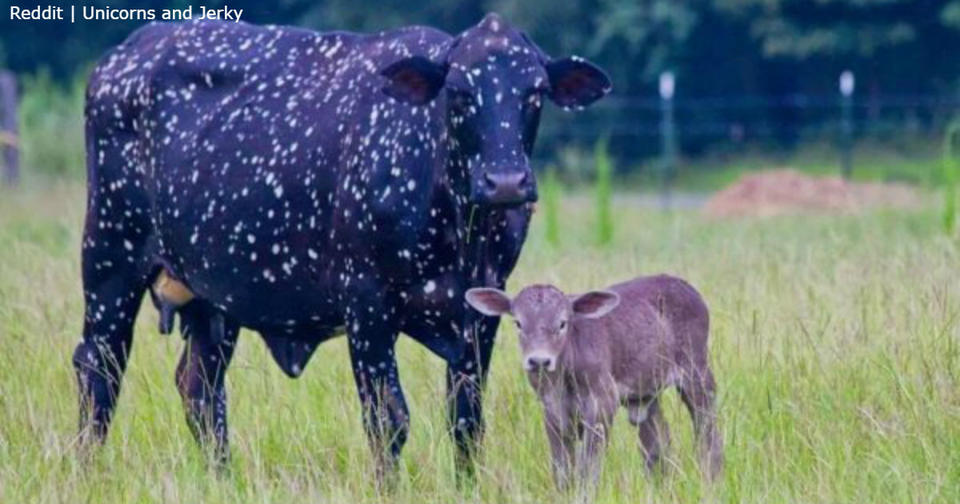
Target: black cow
column 299, row 183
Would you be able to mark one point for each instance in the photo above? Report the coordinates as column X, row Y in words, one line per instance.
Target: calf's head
column 491, row 80
column 543, row 315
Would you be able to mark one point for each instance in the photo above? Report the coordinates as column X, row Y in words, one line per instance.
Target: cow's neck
column 469, row 221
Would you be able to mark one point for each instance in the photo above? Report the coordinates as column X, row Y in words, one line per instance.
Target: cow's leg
column 653, row 430
column 200, row 377
column 698, row 391
column 372, row 337
column 465, row 382
column 112, row 300
column 115, row 270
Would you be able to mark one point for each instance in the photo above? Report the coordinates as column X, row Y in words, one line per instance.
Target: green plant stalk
column 603, row 193
column 473, row 211
column 551, row 202
column 949, row 167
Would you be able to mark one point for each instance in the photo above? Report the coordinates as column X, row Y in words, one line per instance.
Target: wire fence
column 741, row 118
column 637, row 128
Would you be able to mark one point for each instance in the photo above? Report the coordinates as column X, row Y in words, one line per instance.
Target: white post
column 668, row 137
column 847, row 85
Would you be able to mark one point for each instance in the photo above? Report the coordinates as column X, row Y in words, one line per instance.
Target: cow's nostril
column 490, row 182
column 524, row 179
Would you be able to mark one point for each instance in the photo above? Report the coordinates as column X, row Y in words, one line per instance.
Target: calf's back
column 658, row 329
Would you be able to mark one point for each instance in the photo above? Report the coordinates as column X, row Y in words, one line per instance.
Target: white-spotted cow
column 300, row 182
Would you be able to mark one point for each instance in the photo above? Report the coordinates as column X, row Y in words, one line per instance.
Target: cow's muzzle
column 506, row 188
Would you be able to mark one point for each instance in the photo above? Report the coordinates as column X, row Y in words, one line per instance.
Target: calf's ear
column 414, row 80
column 492, row 302
column 595, row 304
column 575, row 82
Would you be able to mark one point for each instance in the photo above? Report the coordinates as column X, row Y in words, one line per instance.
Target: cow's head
column 491, row 80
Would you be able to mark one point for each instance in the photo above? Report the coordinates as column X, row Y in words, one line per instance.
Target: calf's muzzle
column 538, row 363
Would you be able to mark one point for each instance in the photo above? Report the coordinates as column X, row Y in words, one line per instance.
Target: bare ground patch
column 789, row 192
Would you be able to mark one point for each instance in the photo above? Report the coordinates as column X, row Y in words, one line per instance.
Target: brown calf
column 586, row 354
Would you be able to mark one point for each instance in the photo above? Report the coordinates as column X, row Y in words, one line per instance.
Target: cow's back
column 173, row 83
column 239, row 139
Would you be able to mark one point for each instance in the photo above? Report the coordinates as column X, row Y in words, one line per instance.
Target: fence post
column 668, row 137
column 847, row 84
column 9, row 147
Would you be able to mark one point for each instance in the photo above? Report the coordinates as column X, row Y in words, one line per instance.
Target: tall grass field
column 834, row 340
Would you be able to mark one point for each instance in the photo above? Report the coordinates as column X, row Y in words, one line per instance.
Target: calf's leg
column 596, row 417
column 653, row 430
column 562, row 435
column 698, row 392
column 201, row 375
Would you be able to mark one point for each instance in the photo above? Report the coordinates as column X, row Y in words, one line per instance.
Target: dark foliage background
column 749, row 72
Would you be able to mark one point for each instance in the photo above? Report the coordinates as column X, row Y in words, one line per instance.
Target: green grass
column 51, row 126
column 834, row 342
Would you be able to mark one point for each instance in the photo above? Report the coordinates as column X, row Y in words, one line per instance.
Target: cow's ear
column 575, row 82
column 414, row 80
column 595, row 304
column 492, row 302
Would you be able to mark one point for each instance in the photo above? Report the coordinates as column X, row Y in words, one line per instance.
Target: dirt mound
column 789, row 192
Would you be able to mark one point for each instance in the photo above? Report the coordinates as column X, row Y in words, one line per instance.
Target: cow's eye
column 461, row 101
column 530, row 109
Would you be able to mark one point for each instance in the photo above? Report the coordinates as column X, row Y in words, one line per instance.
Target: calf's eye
column 563, row 324
column 517, row 323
